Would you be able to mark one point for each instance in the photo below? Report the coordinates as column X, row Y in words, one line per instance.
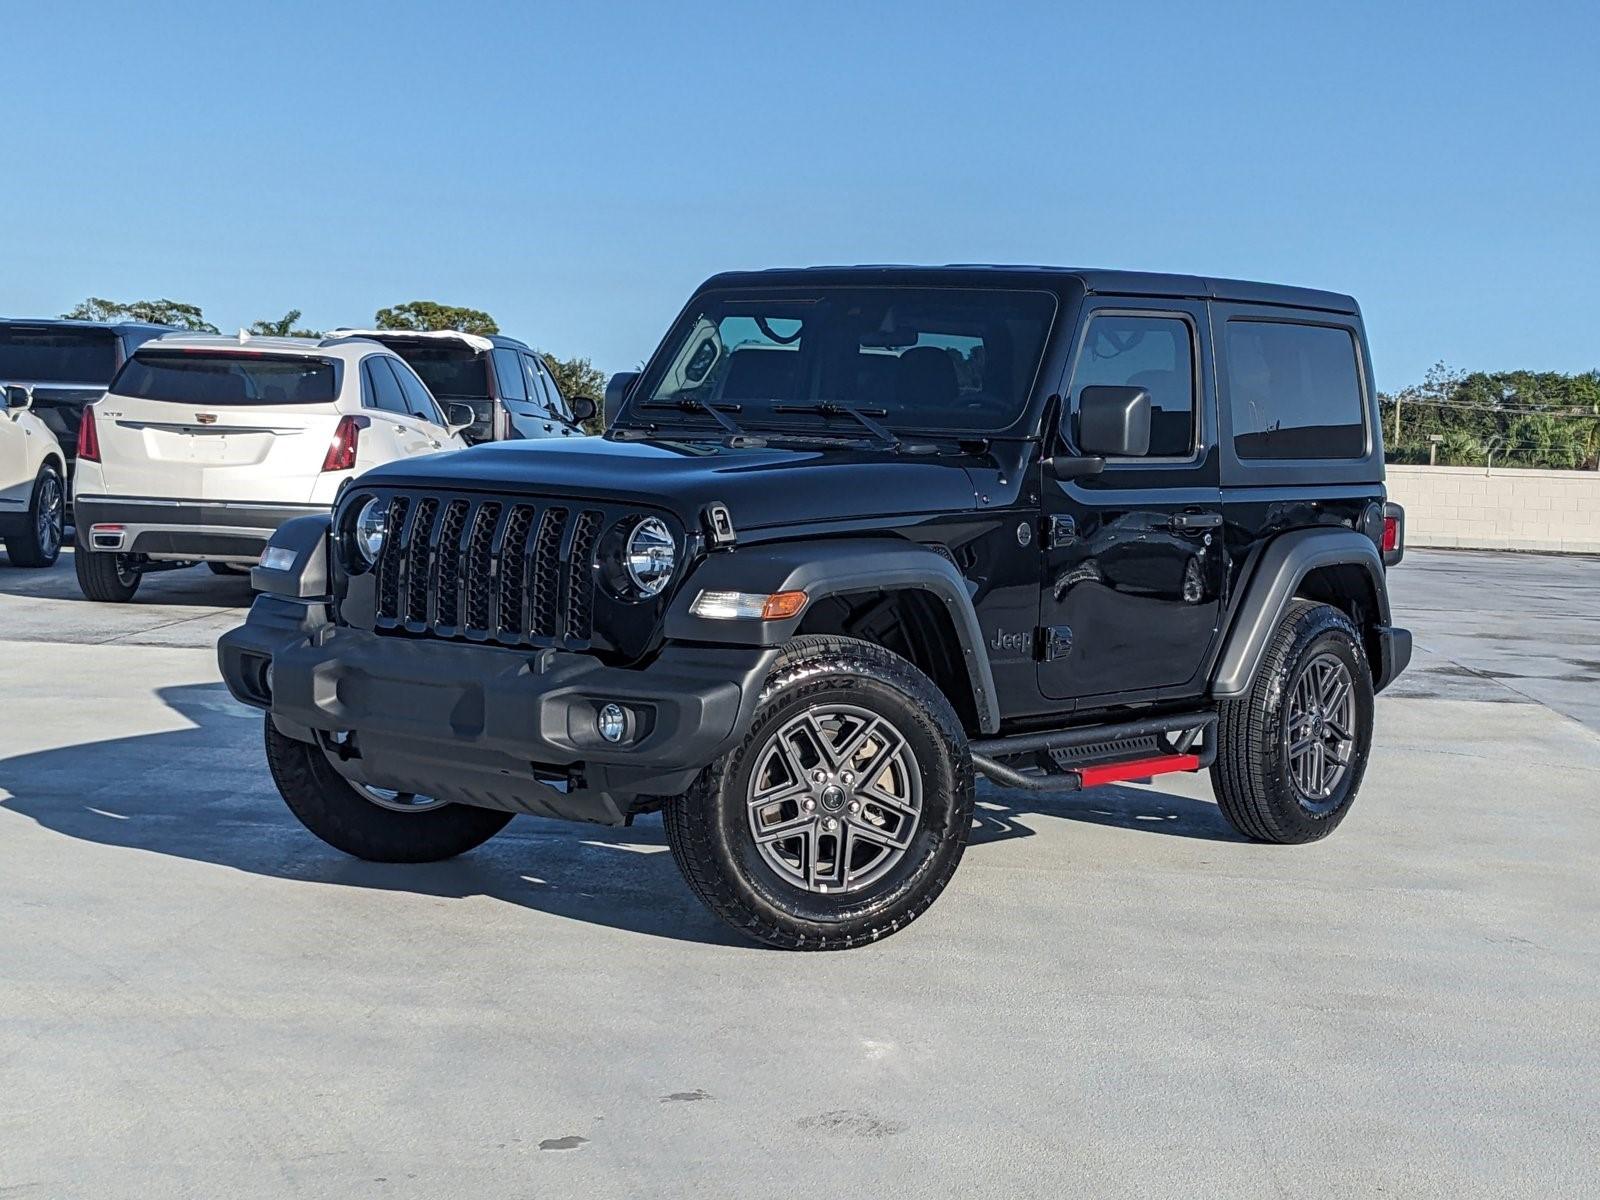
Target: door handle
column 1187, row 522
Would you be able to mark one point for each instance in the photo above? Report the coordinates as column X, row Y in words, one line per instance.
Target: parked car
column 33, row 483
column 512, row 393
column 854, row 536
column 67, row 364
column 204, row 445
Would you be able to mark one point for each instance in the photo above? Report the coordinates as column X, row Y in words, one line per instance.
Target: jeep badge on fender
column 786, row 600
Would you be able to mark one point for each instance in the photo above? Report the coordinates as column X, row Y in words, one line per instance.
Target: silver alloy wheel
column 406, row 802
column 1319, row 732
column 51, row 517
column 834, row 799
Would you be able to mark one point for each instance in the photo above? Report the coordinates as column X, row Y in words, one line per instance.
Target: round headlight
column 650, row 556
column 372, row 523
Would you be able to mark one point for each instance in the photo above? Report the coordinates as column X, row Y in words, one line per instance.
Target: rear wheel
column 372, row 823
column 1292, row 750
column 844, row 812
column 39, row 544
column 105, row 576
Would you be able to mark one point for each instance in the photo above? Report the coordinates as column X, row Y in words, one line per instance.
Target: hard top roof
column 105, row 326
column 1094, row 280
column 478, row 341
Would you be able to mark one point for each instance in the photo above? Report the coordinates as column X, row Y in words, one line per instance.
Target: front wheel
column 39, row 544
column 370, row 823
column 844, row 812
column 1291, row 751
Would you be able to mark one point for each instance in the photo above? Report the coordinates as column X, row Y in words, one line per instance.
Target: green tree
column 283, row 327
column 429, row 315
column 579, row 377
column 1533, row 418
column 159, row 312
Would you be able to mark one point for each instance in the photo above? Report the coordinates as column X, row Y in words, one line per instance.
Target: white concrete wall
column 1508, row 509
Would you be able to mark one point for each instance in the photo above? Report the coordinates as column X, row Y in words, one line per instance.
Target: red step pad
column 1139, row 768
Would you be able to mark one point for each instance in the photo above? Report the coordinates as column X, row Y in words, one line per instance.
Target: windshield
column 53, row 355
column 953, row 359
column 212, row 380
column 448, row 371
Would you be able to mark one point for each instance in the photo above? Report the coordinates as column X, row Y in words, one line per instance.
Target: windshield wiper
column 836, row 408
column 717, row 412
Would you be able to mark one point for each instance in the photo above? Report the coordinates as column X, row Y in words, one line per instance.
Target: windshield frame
column 632, row 414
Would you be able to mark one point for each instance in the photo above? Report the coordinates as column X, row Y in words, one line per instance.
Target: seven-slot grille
column 509, row 571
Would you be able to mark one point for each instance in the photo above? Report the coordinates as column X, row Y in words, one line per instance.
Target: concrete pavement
column 1115, row 996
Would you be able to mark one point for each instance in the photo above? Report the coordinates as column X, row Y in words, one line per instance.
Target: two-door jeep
column 853, row 536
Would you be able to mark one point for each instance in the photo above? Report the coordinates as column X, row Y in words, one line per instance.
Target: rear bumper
column 1394, row 647
column 505, row 729
column 182, row 528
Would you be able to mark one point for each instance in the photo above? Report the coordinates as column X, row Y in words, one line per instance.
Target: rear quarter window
column 1294, row 391
column 214, row 380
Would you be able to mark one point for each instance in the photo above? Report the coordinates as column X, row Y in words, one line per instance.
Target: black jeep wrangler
column 854, row 536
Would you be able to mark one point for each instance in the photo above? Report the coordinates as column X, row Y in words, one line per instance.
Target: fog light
column 612, row 722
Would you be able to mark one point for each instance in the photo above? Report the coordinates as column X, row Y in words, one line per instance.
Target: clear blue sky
column 576, row 169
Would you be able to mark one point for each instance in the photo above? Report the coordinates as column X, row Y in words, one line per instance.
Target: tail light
column 88, row 437
column 341, row 454
column 1394, row 534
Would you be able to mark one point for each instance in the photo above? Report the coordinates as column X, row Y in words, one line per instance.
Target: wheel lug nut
column 828, row 823
column 819, row 776
column 809, row 805
column 855, row 806
column 847, row 777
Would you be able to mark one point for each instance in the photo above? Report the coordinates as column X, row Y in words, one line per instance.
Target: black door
column 1135, row 567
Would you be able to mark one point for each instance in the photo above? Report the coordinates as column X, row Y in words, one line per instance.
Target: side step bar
column 1175, row 733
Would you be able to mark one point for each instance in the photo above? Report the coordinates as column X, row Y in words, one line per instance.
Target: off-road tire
column 329, row 806
column 1251, row 773
column 31, row 548
column 100, row 577
column 708, row 827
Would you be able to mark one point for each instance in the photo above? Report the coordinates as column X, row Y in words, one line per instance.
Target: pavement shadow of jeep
column 122, row 792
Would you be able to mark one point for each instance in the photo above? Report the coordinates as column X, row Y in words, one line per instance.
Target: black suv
column 511, row 390
column 853, row 536
column 68, row 364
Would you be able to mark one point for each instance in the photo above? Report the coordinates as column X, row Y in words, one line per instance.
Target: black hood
column 761, row 485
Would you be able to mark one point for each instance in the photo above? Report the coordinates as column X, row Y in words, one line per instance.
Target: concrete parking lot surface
column 1115, row 997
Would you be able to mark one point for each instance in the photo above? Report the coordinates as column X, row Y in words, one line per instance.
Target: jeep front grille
column 518, row 573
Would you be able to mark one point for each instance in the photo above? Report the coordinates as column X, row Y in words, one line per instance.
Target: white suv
column 33, row 489
column 204, row 445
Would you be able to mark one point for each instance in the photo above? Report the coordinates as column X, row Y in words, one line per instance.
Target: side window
column 1294, row 391
column 537, row 371
column 508, row 372
column 1155, row 353
column 379, row 387
column 419, row 401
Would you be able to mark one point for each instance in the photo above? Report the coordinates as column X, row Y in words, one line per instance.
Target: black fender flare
column 1283, row 564
column 825, row 568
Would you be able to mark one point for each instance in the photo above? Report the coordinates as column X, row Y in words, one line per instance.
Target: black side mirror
column 584, row 409
column 1114, row 422
column 617, row 391
column 18, row 398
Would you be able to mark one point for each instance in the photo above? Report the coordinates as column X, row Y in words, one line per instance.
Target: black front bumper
column 508, row 729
